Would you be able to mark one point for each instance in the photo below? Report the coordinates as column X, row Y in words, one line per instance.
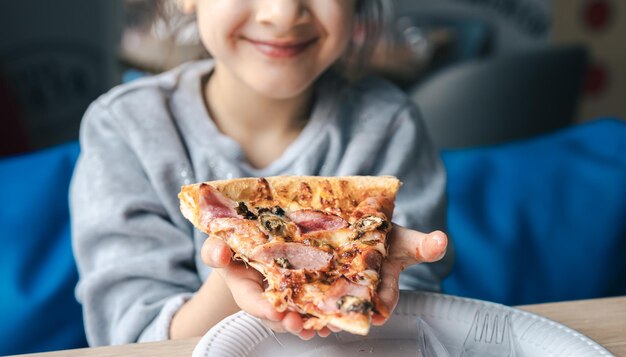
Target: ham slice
column 372, row 259
column 214, row 204
column 243, row 236
column 340, row 288
column 313, row 221
column 292, row 256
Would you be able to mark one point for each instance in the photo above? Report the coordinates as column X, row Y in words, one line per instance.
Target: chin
column 281, row 89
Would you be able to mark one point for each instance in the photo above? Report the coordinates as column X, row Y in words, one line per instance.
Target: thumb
column 413, row 247
column 216, row 253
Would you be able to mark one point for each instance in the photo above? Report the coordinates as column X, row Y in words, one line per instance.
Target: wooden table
column 603, row 320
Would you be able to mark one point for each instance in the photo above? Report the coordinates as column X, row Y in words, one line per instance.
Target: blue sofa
column 540, row 220
column 37, row 269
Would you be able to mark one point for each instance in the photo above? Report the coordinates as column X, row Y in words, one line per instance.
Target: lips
column 282, row 49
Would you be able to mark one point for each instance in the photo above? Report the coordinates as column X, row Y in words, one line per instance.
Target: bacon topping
column 292, row 256
column 372, row 259
column 340, row 288
column 240, row 234
column 213, row 204
column 313, row 220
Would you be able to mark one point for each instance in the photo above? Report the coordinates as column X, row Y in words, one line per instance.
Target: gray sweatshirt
column 138, row 258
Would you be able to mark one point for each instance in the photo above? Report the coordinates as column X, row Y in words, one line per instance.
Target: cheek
column 339, row 25
column 218, row 23
column 206, row 39
column 337, row 45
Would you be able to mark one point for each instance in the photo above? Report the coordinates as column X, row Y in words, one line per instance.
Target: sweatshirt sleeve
column 136, row 265
column 421, row 202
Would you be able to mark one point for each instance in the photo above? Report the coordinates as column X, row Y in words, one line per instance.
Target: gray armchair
column 503, row 98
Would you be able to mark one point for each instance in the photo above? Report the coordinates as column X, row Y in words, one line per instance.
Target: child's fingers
column 378, row 320
column 406, row 247
column 292, row 322
column 215, row 253
column 274, row 326
column 334, row 329
column 246, row 286
column 307, row 334
column 324, row 332
column 412, row 247
column 388, row 289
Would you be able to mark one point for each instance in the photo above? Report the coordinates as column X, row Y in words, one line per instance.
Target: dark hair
column 370, row 27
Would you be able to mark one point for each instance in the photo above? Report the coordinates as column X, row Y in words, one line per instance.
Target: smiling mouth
column 282, row 49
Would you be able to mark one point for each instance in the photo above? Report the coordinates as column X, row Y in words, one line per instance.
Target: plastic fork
column 489, row 335
column 429, row 344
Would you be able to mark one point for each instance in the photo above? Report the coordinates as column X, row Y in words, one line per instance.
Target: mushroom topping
column 370, row 223
column 283, row 263
column 243, row 211
column 274, row 224
column 273, row 210
column 349, row 303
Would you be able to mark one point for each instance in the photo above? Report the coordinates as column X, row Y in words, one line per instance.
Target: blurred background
column 524, row 98
column 56, row 58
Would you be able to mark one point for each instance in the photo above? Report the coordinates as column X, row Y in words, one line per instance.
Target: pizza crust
column 298, row 192
column 356, row 323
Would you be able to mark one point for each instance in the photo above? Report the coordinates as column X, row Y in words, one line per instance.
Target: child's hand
column 406, row 248
column 246, row 287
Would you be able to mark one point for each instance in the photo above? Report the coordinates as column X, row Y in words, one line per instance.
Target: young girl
column 270, row 102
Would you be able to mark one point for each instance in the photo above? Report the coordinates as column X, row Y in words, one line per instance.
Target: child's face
column 275, row 47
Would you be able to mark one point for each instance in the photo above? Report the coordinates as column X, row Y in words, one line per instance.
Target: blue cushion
column 37, row 269
column 540, row 220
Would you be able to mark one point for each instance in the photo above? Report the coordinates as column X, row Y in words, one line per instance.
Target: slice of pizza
column 319, row 241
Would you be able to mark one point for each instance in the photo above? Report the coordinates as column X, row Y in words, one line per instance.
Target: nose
column 282, row 14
